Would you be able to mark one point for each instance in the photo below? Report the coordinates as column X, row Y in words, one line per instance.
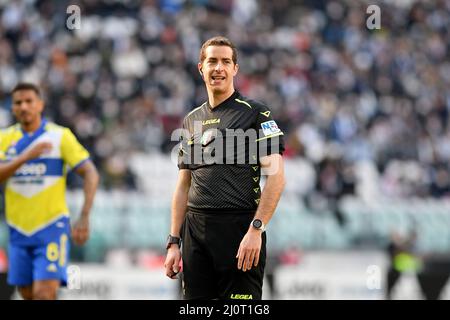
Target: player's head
column 218, row 64
column 27, row 105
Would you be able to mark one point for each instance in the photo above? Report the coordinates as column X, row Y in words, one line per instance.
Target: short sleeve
column 270, row 136
column 72, row 152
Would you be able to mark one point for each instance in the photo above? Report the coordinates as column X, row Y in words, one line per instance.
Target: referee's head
column 218, row 64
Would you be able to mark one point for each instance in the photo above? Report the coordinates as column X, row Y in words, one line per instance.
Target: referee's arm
column 179, row 207
column 249, row 249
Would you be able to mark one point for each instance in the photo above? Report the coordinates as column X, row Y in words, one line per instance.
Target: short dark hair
column 27, row 86
column 218, row 41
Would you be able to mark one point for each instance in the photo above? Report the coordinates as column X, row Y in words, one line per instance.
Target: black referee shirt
column 222, row 147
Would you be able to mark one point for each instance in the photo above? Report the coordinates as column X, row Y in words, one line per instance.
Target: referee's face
column 218, row 69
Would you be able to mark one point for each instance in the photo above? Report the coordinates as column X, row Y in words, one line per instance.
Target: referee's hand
column 172, row 263
column 249, row 249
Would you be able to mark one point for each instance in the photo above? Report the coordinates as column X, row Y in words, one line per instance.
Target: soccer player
column 218, row 209
column 35, row 157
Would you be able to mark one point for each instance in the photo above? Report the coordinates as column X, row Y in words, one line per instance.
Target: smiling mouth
column 218, row 78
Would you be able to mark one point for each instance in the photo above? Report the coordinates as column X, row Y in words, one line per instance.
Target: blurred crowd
column 342, row 93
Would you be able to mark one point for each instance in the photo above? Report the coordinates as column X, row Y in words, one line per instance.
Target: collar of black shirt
column 235, row 95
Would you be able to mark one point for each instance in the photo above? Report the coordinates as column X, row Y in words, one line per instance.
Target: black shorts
column 209, row 248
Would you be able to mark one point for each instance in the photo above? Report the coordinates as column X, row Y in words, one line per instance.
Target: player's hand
column 249, row 249
column 37, row 150
column 80, row 231
column 172, row 263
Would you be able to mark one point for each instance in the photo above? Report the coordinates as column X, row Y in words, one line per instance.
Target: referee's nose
column 219, row 67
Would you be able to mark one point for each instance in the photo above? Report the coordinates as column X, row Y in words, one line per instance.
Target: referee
column 219, row 213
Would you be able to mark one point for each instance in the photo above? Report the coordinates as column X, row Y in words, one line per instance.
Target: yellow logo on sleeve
column 210, row 121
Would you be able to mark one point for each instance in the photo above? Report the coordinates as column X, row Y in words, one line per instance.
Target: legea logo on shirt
column 270, row 127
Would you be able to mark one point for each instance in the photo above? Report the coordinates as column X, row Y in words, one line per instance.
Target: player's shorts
column 45, row 261
column 209, row 249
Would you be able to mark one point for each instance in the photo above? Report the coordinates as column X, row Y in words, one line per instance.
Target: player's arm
column 179, row 208
column 80, row 231
column 249, row 249
column 7, row 169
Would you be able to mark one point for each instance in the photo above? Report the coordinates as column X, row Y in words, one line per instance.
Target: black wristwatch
column 258, row 224
column 171, row 240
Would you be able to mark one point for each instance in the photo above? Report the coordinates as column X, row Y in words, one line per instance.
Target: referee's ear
column 236, row 69
column 199, row 66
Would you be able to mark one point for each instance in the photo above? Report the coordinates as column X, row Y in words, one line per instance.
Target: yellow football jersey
column 35, row 194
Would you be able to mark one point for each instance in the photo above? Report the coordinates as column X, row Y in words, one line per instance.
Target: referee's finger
column 175, row 266
column 257, row 258
column 241, row 256
column 250, row 260
column 168, row 263
column 169, row 271
column 244, row 260
column 244, row 257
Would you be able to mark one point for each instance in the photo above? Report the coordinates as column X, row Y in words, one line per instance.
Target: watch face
column 257, row 223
